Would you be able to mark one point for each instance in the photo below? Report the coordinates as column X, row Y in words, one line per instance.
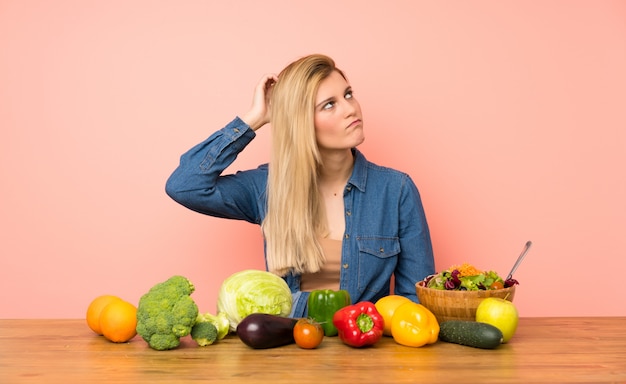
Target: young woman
column 330, row 218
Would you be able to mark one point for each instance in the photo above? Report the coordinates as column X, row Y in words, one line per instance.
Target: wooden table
column 549, row 350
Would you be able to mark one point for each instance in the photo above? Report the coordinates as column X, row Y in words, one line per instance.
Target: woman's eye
column 348, row 95
column 329, row 105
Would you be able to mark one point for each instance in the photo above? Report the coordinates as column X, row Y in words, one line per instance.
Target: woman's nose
column 350, row 108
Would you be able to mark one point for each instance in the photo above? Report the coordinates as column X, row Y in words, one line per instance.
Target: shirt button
column 349, row 213
column 347, row 236
column 345, row 266
column 236, row 130
column 381, row 250
column 349, row 188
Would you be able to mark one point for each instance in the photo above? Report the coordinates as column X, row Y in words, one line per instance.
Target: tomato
column 496, row 285
column 308, row 333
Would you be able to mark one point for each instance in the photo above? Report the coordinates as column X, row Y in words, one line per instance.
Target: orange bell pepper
column 414, row 325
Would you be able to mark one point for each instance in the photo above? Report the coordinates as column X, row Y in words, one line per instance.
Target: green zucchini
column 470, row 333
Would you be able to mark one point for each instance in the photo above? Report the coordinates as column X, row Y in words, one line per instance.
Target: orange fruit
column 118, row 321
column 94, row 310
column 386, row 306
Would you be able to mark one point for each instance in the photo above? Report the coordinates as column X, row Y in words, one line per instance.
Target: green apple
column 500, row 313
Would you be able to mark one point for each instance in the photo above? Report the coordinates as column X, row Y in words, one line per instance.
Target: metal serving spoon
column 519, row 259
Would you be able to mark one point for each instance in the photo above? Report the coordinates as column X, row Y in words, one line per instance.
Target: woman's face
column 338, row 119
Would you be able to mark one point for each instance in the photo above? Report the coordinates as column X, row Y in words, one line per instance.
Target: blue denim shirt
column 386, row 232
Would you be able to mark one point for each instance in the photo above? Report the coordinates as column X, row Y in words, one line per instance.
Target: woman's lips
column 354, row 123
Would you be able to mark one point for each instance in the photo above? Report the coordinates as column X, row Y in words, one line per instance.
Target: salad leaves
column 454, row 279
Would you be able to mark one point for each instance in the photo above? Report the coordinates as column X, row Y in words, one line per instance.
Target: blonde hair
column 295, row 212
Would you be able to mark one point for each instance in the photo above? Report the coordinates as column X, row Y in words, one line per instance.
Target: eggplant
column 262, row 330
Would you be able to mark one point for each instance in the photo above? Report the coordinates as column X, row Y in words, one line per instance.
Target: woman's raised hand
column 259, row 113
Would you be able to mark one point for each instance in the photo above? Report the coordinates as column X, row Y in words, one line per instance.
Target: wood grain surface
column 547, row 350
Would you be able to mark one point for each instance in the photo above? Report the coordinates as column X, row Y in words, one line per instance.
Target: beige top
column 328, row 276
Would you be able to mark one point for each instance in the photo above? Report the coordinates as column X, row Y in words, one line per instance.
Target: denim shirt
column 386, row 233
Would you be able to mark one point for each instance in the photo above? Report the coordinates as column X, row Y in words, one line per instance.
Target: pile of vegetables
column 256, row 304
column 357, row 325
column 166, row 313
column 466, row 277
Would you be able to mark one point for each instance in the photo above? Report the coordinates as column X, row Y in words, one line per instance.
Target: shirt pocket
column 378, row 257
column 381, row 247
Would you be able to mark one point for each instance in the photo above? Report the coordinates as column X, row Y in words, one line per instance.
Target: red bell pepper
column 359, row 325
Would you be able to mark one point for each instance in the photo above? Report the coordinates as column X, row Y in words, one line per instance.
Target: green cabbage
column 253, row 291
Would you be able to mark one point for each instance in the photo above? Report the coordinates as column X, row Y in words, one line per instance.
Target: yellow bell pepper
column 414, row 325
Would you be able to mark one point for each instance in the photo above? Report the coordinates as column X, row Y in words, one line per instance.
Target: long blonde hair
column 295, row 212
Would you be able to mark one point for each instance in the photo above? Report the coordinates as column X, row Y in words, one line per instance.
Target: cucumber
column 470, row 333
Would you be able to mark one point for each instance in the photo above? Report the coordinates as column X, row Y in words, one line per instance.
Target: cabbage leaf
column 253, row 291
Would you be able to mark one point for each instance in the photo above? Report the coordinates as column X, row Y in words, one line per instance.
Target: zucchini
column 470, row 333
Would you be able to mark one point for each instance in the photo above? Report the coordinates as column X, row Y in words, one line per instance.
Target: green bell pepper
column 323, row 303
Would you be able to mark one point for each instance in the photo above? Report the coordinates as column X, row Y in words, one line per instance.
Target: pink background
column 510, row 117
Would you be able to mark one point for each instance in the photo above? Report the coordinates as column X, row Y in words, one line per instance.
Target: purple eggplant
column 261, row 330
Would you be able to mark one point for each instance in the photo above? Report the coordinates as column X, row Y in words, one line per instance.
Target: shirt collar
column 359, row 173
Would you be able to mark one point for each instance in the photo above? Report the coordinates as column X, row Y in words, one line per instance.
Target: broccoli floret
column 221, row 323
column 166, row 313
column 162, row 341
column 204, row 333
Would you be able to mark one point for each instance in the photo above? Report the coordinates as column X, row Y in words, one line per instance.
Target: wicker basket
column 457, row 305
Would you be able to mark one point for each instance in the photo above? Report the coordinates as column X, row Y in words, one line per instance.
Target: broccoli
column 204, row 333
column 166, row 313
column 221, row 323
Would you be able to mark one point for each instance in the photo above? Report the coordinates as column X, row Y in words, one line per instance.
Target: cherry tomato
column 308, row 334
column 497, row 285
